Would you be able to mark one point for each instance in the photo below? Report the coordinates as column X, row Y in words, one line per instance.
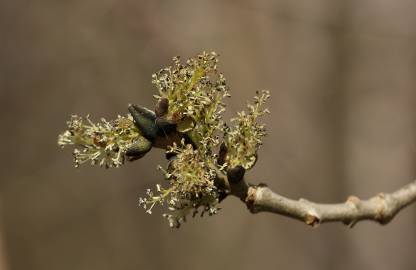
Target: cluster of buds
column 187, row 122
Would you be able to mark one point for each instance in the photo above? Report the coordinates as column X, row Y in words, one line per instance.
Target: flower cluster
column 188, row 122
column 195, row 92
column 103, row 143
column 191, row 186
column 245, row 137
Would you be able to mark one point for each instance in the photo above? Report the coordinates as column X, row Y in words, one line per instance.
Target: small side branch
column 381, row 208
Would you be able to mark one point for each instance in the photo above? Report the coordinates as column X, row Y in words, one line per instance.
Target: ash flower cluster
column 103, row 143
column 245, row 137
column 191, row 187
column 189, row 109
column 195, row 91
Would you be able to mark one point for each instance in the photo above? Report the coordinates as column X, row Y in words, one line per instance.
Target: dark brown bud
column 162, row 107
column 222, row 155
column 236, row 174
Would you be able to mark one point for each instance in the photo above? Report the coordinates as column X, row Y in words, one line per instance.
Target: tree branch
column 190, row 130
column 381, row 208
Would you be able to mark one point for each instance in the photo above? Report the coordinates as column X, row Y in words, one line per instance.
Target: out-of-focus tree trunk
column 3, row 255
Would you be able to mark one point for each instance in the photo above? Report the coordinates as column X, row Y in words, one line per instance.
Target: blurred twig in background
column 3, row 262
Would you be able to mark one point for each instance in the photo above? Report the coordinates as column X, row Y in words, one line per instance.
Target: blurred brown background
column 342, row 78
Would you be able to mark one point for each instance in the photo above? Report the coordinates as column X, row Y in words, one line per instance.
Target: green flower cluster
column 103, row 144
column 195, row 92
column 188, row 123
column 245, row 137
column 191, row 186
